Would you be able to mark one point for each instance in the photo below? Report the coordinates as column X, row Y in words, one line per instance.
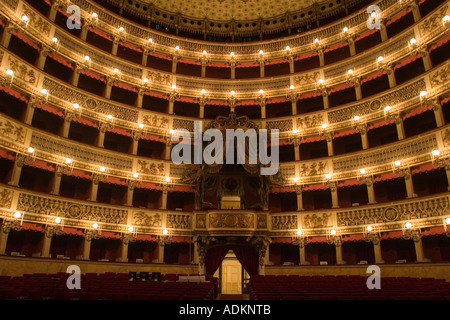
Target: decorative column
column 233, row 68
column 400, row 128
column 195, row 258
column 299, row 191
column 383, row 31
column 131, row 184
column 135, row 143
column 75, row 77
column 123, row 249
column 86, row 246
column 174, row 63
column 202, row 101
column 364, row 138
column 96, row 178
column 66, row 124
column 321, row 58
column 334, row 195
column 338, row 245
column 56, row 181
column 101, row 135
column 46, row 242
column 144, row 56
column 29, row 112
column 302, row 252
column 17, row 169
column 370, row 189
column 107, row 92
column 168, row 148
column 7, row 33
column 351, row 46
column 261, row 244
column 438, row 114
column 293, row 97
column 4, row 232
column 417, row 238
column 202, row 246
column 84, row 30
column 53, row 11
column 165, row 190
column 447, row 172
column 291, row 64
column 161, row 244
column 409, row 183
column 172, row 97
column 415, row 11
column 42, row 58
column 204, row 60
column 115, row 46
column 261, row 62
column 330, row 148
column 375, row 239
column 140, row 97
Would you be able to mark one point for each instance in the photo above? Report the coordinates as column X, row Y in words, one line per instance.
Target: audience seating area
column 106, row 286
column 346, row 288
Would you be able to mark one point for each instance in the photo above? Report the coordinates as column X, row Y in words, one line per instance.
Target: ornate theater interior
column 93, row 95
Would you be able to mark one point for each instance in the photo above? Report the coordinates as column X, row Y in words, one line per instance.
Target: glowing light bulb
column 333, row 232
column 76, row 105
column 68, row 161
column 177, row 48
column 295, row 179
column 261, row 52
column 261, row 91
column 408, row 225
column 94, row 15
column 295, row 131
column 356, row 118
column 435, row 152
column 324, row 126
column 447, row 220
column 203, row 91
column 412, row 41
column 87, row 58
column 136, row 175
column 292, row 87
column 165, row 232
column 171, row 131
column 150, row 40
column 116, row 70
column 141, row 125
column 95, row 225
column 44, row 91
column 145, row 80
column 9, row 72
column 423, row 93
column 299, row 232
column 232, row 54
column 387, row 108
column 288, row 48
column 316, row 40
column 328, row 176
column 17, row 215
column 167, row 179
column 102, row 169
column 232, row 92
column 362, row 171
column 204, row 52
column 369, row 228
column 57, row 220
column 121, row 29
column 55, row 39
column 130, row 229
column 25, row 18
column 30, row 150
column 380, row 58
column 350, row 71
column 109, row 117
column 320, row 81
column 174, row 86
column 345, row 29
column 397, row 163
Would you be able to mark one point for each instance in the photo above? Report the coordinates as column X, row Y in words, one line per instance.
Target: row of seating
column 346, row 288
column 107, row 286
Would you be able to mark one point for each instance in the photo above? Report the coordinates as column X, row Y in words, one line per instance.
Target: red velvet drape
column 246, row 255
column 214, row 258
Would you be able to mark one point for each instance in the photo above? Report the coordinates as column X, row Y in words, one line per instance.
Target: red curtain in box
column 318, row 239
column 380, row 124
column 385, row 176
column 309, row 95
column 30, row 226
column 312, row 139
column 432, row 231
column 27, row 40
column 73, row 231
column 247, row 65
column 280, row 143
column 218, row 65
column 282, row 190
column 79, row 174
column 282, row 240
column 366, row 34
column 340, row 87
column 100, row 33
column 279, row 61
column 187, row 100
column 5, row 154
column 345, row 133
column 14, row 93
column 180, row 239
column 93, row 75
column 149, row 185
column 183, row 189
column 109, row 235
column 189, row 61
column 156, row 95
column 42, row 165
column 114, row 180
column 353, row 237
column 336, row 47
column 86, row 122
column 425, row 168
column 440, row 43
column 152, row 137
column 306, row 56
column 60, row 60
column 146, row 237
column 120, row 131
column 398, row 16
column 407, row 61
column 392, row 235
column 349, row 183
column 50, row 109
column 217, row 103
column 125, row 86
column 248, row 103
column 159, row 55
column 314, row 187
column 373, row 76
column 278, row 100
column 130, row 46
column 417, row 111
